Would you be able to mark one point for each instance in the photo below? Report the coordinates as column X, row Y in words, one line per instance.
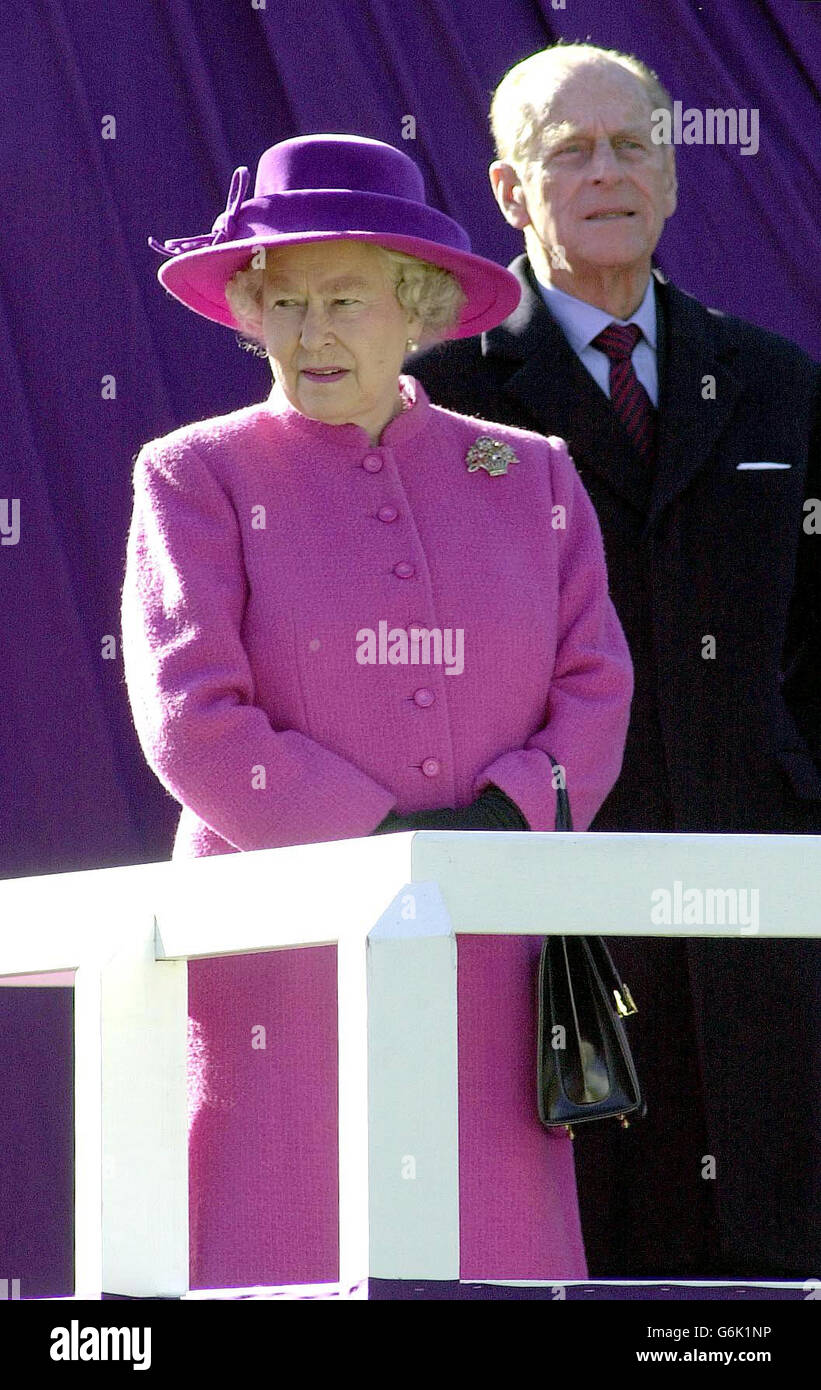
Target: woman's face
column 335, row 333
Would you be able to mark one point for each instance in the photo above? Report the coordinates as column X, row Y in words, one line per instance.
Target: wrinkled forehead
column 586, row 98
column 327, row 262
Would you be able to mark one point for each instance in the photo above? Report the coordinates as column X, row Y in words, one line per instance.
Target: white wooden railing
column 392, row 904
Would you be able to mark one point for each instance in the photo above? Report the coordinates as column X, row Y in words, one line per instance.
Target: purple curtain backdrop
column 195, row 90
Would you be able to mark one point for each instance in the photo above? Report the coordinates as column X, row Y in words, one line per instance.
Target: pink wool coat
column 263, row 544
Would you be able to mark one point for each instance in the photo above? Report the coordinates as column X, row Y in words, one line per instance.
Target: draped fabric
column 121, row 122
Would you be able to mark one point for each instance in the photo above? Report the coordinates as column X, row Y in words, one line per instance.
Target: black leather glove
column 492, row 810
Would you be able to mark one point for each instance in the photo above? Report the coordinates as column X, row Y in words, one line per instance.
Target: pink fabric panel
column 50, row 978
column 519, row 1210
column 263, row 1145
column 263, row 1163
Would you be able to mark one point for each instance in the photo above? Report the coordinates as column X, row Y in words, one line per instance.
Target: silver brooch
column 491, row 454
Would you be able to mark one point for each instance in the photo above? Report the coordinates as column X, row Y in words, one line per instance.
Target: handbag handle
column 625, row 1005
column 594, row 974
column 564, row 820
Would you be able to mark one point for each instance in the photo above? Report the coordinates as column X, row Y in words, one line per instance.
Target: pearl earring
column 411, row 345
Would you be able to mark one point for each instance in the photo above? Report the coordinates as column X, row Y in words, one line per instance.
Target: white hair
column 424, row 290
column 521, row 101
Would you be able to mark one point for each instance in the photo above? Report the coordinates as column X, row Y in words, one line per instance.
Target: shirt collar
column 413, row 417
column 581, row 322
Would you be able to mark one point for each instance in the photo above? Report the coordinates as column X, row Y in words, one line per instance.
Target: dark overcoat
column 715, row 572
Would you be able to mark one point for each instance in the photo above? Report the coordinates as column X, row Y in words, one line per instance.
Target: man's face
column 597, row 189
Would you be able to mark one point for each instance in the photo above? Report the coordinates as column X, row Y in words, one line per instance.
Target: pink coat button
column 404, row 570
column 423, row 698
column 431, row 767
column 387, row 513
column 372, row 463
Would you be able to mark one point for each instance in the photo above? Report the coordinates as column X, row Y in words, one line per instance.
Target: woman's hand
column 492, row 810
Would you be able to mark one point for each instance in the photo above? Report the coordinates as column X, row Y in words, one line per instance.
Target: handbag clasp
column 624, row 1009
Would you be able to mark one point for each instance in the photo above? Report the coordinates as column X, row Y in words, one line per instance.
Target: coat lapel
column 559, row 394
column 547, row 379
column 689, row 424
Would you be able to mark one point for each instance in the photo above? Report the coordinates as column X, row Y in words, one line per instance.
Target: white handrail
column 393, row 904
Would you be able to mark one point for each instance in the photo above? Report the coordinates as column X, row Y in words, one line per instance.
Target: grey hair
column 424, row 290
column 520, row 101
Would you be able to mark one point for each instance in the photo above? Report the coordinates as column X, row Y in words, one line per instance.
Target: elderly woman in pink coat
column 347, row 611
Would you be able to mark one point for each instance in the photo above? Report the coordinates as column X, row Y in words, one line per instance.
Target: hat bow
column 223, row 228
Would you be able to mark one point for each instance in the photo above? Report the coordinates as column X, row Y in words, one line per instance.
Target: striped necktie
column 628, row 397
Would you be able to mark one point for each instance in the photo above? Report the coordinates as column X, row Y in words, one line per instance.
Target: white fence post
column 413, row 1089
column 145, row 1123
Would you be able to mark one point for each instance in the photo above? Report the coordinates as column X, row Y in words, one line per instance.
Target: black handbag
column 585, row 1067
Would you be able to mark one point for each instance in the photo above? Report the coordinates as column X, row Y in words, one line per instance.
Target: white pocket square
column 763, row 465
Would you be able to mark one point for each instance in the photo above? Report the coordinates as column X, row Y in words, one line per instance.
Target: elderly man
column 697, row 437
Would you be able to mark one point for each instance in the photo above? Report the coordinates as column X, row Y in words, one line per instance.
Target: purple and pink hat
column 329, row 188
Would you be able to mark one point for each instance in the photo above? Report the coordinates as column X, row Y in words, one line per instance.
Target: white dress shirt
column 581, row 322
